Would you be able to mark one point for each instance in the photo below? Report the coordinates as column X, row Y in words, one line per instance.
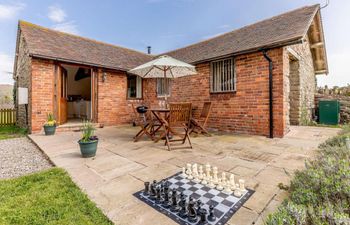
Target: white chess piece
column 232, row 182
column 204, row 180
column 207, row 169
column 219, row 186
column 200, row 172
column 189, row 172
column 223, row 177
column 241, row 185
column 188, row 167
column 215, row 175
column 237, row 193
column 211, row 183
column 184, row 172
column 195, row 168
column 227, row 188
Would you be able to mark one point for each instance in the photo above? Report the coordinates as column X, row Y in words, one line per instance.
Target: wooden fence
column 7, row 117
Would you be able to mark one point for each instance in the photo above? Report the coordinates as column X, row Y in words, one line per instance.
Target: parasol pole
column 165, row 88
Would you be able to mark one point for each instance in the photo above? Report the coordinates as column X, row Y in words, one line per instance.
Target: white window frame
column 138, row 87
column 222, row 75
column 160, row 81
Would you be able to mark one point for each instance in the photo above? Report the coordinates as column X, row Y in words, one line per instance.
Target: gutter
column 264, row 51
column 76, row 62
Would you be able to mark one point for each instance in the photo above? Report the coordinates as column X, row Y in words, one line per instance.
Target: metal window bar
column 222, row 77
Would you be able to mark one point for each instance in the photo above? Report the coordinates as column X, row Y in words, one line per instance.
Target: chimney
column 149, row 49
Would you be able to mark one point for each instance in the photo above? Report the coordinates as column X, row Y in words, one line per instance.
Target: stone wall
column 302, row 82
column 344, row 105
column 23, row 80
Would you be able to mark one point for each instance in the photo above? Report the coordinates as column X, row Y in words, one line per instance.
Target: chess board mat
column 225, row 205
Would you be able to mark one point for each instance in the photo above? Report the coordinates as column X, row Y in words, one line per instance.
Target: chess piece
column 182, row 204
column 146, row 190
column 219, row 187
column 184, row 175
column 227, row 189
column 200, row 172
column 232, row 182
column 166, row 202
column 202, row 216
column 211, row 183
column 199, row 205
column 174, row 205
column 204, row 180
column 192, row 216
column 153, row 189
column 158, row 195
column 207, row 170
column 241, row 185
column 189, row 172
column 215, row 175
column 223, row 177
column 211, row 216
column 238, row 193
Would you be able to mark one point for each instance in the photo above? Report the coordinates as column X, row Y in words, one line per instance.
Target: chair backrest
column 206, row 110
column 180, row 113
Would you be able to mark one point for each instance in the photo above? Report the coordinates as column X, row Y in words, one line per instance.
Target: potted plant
column 88, row 142
column 50, row 125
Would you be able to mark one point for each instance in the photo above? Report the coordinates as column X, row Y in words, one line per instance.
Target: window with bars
column 222, row 78
column 163, row 87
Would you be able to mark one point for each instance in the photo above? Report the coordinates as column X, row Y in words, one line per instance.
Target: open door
column 60, row 95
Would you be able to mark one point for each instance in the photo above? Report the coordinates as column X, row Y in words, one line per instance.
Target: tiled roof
column 277, row 30
column 47, row 43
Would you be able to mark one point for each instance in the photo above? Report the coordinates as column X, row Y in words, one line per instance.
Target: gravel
column 19, row 156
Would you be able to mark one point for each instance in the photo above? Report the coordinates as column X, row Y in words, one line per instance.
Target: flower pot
column 88, row 149
column 49, row 130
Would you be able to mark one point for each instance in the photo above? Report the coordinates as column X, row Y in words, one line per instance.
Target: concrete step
column 73, row 127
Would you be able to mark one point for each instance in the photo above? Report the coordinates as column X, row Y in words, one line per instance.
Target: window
column 134, row 86
column 163, row 88
column 222, row 77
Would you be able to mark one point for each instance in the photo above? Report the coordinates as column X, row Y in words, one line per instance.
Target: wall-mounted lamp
column 104, row 76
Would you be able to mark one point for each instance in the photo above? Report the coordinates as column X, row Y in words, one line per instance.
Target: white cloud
column 212, row 35
column 68, row 27
column 224, row 26
column 56, row 14
column 339, row 74
column 6, row 67
column 170, row 36
column 9, row 11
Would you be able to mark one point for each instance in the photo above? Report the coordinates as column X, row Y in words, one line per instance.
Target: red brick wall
column 246, row 110
column 41, row 92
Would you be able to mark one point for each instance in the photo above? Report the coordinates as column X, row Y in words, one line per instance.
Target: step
column 74, row 127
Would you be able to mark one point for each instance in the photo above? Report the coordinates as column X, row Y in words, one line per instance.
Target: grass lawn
column 48, row 197
column 11, row 132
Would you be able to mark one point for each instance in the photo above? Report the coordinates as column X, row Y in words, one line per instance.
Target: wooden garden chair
column 198, row 125
column 145, row 122
column 177, row 124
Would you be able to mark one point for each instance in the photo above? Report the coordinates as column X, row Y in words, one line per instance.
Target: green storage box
column 329, row 111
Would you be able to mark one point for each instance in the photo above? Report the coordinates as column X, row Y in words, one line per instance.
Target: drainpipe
column 264, row 51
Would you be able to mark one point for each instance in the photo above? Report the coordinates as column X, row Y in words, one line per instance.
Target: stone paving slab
column 121, row 166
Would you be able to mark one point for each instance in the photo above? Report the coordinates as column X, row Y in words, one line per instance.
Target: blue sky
column 167, row 24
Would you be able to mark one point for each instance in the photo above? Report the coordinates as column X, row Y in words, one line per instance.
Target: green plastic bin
column 329, row 112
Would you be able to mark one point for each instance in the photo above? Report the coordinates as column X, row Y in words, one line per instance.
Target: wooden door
column 62, row 108
column 94, row 95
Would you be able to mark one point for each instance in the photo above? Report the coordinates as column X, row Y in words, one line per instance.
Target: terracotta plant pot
column 49, row 130
column 88, row 149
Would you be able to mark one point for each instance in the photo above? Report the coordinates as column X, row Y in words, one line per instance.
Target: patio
column 121, row 166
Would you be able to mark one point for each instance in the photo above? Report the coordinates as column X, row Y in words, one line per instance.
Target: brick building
column 64, row 72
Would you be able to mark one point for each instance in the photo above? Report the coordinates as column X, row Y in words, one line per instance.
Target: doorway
column 74, row 94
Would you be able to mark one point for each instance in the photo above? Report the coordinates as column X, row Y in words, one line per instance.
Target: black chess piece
column 203, row 216
column 191, row 214
column 158, row 195
column 153, row 190
column 174, row 205
column 199, row 205
column 211, row 216
column 166, row 202
column 183, row 210
column 146, row 190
